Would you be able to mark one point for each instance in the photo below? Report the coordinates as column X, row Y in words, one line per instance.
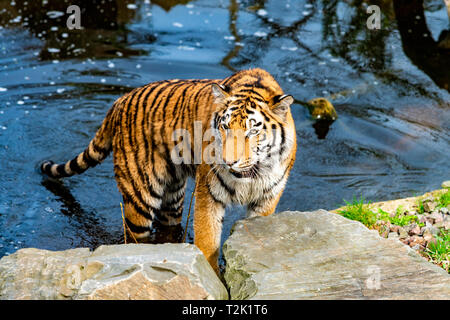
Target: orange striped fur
column 138, row 129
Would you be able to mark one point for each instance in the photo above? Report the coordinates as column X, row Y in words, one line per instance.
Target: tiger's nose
column 230, row 163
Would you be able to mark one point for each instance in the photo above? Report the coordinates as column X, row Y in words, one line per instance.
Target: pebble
column 437, row 217
column 402, row 234
column 446, row 184
column 429, row 206
column 411, row 229
column 430, row 230
column 415, row 230
column 385, row 230
column 447, row 223
column 439, row 224
column 416, row 240
column 393, row 235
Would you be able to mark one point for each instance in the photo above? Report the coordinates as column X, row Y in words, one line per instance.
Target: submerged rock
column 131, row 271
column 321, row 255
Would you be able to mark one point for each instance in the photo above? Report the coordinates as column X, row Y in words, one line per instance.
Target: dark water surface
column 389, row 87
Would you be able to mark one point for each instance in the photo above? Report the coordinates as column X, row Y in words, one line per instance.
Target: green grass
column 439, row 252
column 399, row 219
column 444, row 199
column 420, row 208
column 359, row 211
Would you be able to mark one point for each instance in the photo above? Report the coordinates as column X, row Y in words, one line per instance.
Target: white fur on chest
column 247, row 190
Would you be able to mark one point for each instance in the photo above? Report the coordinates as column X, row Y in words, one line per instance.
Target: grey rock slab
column 322, row 255
column 129, row 271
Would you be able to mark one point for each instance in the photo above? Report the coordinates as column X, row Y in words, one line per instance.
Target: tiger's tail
column 97, row 150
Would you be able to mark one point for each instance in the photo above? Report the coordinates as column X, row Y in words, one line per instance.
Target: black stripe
column 181, row 111
column 283, row 140
column 162, row 217
column 215, row 199
column 136, row 229
column 144, row 124
column 88, row 160
column 200, row 95
column 132, row 136
column 175, row 188
column 45, row 167
column 265, row 116
column 74, row 166
column 174, row 201
column 216, row 120
column 169, row 165
column 142, row 212
column 252, row 205
column 137, row 194
column 252, row 92
column 232, row 79
column 100, row 150
column 153, row 193
column 223, row 184
column 172, row 212
column 136, row 191
column 256, row 84
column 276, row 182
column 152, row 133
column 61, row 170
column 274, row 136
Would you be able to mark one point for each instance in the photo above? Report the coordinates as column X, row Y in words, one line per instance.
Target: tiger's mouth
column 247, row 173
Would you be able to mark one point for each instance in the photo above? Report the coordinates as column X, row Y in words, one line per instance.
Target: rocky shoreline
column 288, row 255
column 418, row 222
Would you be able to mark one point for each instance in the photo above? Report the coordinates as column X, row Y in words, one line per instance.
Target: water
column 390, row 90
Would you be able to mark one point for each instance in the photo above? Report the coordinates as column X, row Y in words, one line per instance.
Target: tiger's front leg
column 264, row 206
column 208, row 218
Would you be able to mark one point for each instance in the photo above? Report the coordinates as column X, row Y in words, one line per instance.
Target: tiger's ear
column 219, row 91
column 281, row 104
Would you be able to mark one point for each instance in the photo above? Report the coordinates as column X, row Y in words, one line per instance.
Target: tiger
column 251, row 171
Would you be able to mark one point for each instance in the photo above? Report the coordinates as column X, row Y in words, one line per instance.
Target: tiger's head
column 251, row 129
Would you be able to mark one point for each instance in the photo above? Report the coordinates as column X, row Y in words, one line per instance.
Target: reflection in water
column 234, row 9
column 322, row 127
column 169, row 4
column 87, row 222
column 103, row 34
column 418, row 43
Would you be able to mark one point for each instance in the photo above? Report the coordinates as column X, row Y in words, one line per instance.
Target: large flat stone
column 143, row 271
column 321, row 255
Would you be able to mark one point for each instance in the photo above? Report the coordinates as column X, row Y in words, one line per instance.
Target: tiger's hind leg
column 141, row 202
column 172, row 203
column 138, row 221
column 168, row 219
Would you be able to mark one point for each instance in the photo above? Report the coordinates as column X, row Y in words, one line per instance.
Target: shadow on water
column 322, row 127
column 389, row 87
column 89, row 223
column 85, row 220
